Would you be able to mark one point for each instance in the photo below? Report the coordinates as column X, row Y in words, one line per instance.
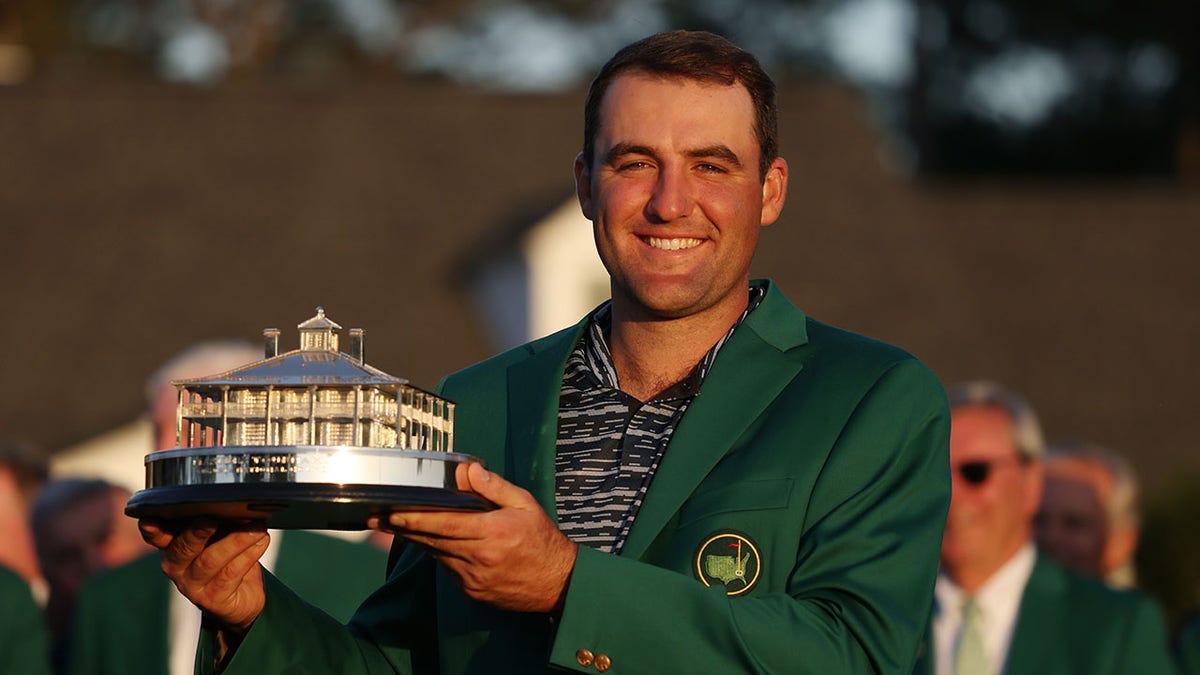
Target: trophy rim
column 304, row 506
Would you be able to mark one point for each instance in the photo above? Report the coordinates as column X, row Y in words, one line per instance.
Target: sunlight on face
column 988, row 521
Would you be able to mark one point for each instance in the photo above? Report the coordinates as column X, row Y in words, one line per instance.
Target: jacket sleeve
column 858, row 595
column 392, row 632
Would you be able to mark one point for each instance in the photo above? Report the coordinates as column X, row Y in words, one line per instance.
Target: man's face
column 675, row 195
column 72, row 543
column 84, row 539
column 989, row 519
column 1072, row 526
column 163, row 415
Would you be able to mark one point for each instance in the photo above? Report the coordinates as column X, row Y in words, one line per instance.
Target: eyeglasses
column 978, row 471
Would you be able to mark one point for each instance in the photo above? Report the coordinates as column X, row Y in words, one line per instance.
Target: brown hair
column 693, row 55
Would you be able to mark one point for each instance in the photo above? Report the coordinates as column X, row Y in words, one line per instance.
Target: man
column 695, row 478
column 1089, row 517
column 24, row 645
column 1000, row 607
column 135, row 604
column 23, row 471
column 79, row 530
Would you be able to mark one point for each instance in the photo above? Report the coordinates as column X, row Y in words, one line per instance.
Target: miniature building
column 314, row 395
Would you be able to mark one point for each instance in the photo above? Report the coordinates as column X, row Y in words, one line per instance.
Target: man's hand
column 220, row 575
column 514, row 557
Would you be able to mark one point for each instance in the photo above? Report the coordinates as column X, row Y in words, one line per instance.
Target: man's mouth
column 676, row 244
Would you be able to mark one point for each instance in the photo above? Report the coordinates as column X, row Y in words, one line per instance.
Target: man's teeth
column 672, row 244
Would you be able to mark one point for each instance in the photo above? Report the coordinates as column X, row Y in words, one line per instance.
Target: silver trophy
column 310, row 439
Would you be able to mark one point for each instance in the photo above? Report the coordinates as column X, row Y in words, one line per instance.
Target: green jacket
column 825, row 450
column 1187, row 647
column 24, row 645
column 129, row 605
column 1071, row 624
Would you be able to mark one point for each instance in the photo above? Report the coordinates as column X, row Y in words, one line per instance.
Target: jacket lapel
column 534, row 384
column 751, row 369
column 1034, row 641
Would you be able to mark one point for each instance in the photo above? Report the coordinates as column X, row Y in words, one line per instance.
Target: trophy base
column 300, row 487
column 287, row 506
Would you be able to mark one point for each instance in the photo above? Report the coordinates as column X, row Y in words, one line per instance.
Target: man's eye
column 711, row 168
column 635, row 166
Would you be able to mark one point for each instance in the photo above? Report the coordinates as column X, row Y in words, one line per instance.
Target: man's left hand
column 513, row 557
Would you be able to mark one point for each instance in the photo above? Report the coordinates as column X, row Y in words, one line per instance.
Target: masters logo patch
column 730, row 559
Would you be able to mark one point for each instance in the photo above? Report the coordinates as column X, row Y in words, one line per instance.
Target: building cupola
column 319, row 333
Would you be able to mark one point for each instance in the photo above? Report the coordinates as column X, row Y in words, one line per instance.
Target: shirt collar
column 600, row 362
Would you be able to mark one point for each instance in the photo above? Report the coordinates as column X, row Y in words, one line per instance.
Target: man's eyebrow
column 718, row 151
column 622, row 149
column 721, row 152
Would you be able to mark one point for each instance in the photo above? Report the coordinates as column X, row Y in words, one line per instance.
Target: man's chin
column 664, row 301
column 956, row 552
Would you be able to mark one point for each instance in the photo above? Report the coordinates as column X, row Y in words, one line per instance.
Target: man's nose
column 672, row 197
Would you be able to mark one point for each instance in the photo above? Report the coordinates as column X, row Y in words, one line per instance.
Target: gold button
column 603, row 663
column 584, row 657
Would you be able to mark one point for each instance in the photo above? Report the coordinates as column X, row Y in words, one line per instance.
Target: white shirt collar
column 999, row 600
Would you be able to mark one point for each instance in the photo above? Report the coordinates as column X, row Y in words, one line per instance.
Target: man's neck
column 652, row 355
column 971, row 578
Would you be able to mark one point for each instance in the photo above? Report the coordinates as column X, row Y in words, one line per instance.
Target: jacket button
column 603, row 663
column 584, row 657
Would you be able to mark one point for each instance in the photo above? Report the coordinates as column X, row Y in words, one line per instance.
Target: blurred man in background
column 80, row 530
column 999, row 606
column 1089, row 518
column 24, row 645
column 136, row 605
column 23, row 471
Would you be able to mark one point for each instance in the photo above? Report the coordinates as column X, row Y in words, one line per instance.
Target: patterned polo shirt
column 609, row 443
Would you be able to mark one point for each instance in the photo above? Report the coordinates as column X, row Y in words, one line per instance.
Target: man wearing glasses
column 1000, row 607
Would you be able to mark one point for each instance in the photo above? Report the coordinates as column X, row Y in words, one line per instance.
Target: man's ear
column 1120, row 547
column 774, row 191
column 583, row 186
column 1035, row 481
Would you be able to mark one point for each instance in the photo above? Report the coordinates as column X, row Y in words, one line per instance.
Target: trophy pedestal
column 300, row 487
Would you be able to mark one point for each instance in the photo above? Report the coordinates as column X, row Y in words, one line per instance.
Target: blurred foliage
column 959, row 87
column 1082, row 87
column 1168, row 558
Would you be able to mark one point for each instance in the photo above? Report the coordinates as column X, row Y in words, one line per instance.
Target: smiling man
column 697, row 477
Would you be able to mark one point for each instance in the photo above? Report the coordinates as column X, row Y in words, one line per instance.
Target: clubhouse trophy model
column 310, row 439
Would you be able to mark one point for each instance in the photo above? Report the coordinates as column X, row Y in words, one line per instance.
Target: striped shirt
column 609, row 443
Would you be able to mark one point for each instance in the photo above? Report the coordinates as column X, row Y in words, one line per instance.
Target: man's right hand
column 220, row 575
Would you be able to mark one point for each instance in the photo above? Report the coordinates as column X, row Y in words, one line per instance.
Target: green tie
column 970, row 657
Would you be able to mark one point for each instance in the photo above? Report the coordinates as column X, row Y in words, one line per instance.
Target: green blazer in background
column 121, row 621
column 826, row 450
column 24, row 645
column 1069, row 624
column 1187, row 647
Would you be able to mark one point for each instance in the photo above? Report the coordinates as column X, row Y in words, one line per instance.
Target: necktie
column 970, row 657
